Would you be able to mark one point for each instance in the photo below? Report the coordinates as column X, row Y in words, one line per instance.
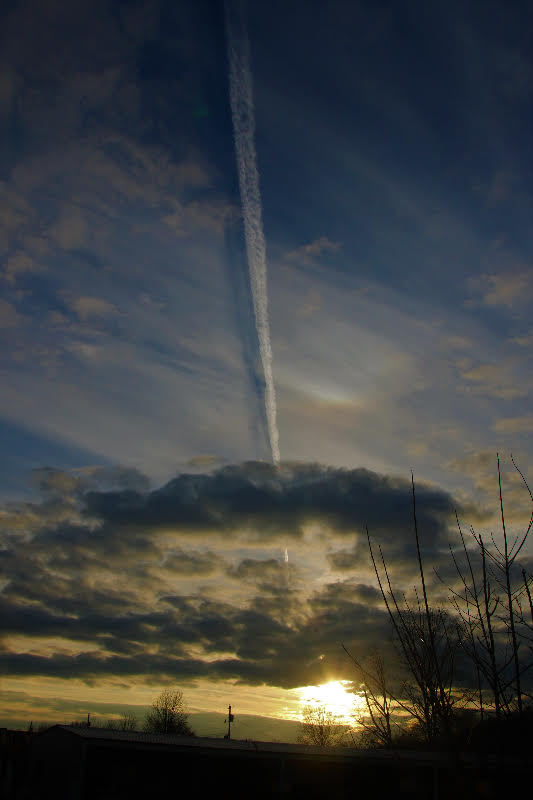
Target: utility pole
column 230, row 720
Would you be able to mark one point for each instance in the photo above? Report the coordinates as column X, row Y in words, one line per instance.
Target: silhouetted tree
column 127, row 722
column 320, row 727
column 168, row 714
column 427, row 642
column 495, row 613
column 375, row 721
column 490, row 620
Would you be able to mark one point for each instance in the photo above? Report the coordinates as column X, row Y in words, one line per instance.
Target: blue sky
column 394, row 152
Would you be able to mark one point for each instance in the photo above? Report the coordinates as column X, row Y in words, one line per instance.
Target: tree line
column 167, row 714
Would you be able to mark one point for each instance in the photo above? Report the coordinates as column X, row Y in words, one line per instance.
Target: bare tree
column 375, row 722
column 168, row 714
column 127, row 722
column 320, row 727
column 490, row 620
column 526, row 614
column 495, row 612
column 427, row 642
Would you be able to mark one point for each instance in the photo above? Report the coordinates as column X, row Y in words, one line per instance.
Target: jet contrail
column 242, row 113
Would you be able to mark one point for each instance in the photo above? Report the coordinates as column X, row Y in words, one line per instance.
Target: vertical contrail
column 242, row 113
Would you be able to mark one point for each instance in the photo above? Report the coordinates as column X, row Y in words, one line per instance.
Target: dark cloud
column 193, row 563
column 265, row 650
column 255, row 569
column 162, row 582
column 344, row 560
column 266, row 501
column 269, row 575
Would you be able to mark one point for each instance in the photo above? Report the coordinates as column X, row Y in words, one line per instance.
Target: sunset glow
column 334, row 696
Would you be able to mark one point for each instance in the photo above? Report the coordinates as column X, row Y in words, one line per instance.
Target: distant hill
column 245, row 726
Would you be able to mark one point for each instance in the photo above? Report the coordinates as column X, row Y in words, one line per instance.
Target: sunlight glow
column 335, row 696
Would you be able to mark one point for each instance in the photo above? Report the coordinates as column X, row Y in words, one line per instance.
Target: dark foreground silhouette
column 80, row 763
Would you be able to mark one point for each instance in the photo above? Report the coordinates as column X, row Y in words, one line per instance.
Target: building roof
column 246, row 746
column 106, row 737
column 140, row 737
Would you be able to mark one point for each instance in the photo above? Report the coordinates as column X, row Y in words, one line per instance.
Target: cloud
column 112, row 145
column 482, row 468
column 514, row 425
column 204, row 462
column 451, row 343
column 206, row 215
column 523, row 341
column 263, row 502
column 308, row 252
column 88, row 307
column 105, row 578
column 474, row 463
column 69, row 231
column 193, row 563
column 252, row 569
column 495, row 380
column 58, row 482
column 269, row 575
column 17, row 264
column 9, row 316
column 310, row 304
column 344, row 560
column 506, row 289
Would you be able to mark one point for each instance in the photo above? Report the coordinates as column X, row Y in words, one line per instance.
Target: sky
column 365, row 298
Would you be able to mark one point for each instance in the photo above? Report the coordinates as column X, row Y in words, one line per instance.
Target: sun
column 335, row 696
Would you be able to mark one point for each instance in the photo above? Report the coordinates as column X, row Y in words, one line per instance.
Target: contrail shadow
column 239, row 280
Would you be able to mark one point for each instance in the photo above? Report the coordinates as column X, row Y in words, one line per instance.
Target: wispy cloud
column 9, row 316
column 308, row 252
column 88, row 307
column 514, row 425
column 494, row 380
column 506, row 289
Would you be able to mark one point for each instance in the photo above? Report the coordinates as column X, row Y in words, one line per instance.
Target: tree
column 375, row 722
column 490, row 621
column 168, row 715
column 320, row 727
column 127, row 722
column 495, row 613
column 427, row 642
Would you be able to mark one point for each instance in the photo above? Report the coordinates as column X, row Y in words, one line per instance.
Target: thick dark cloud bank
column 106, row 578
